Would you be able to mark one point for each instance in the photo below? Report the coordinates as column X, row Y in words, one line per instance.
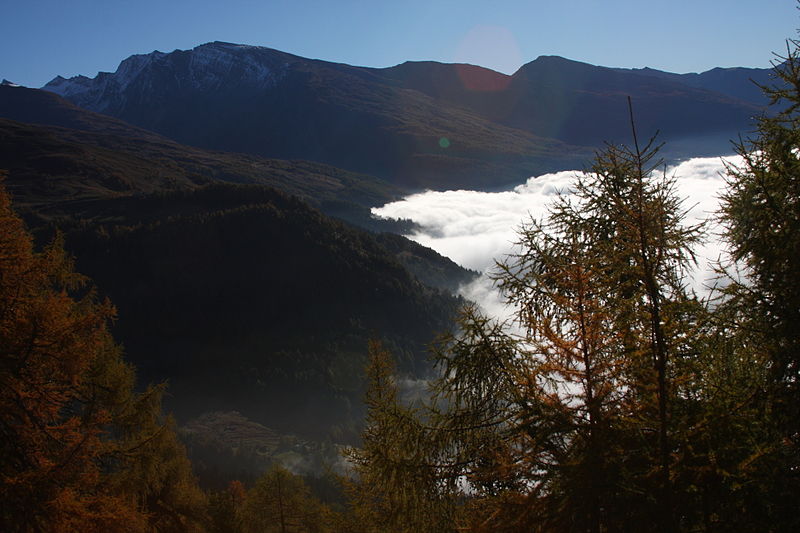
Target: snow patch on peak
column 226, row 45
column 130, row 68
column 80, row 86
column 68, row 87
column 207, row 67
column 214, row 63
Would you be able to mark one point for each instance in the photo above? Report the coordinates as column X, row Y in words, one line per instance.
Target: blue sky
column 42, row 38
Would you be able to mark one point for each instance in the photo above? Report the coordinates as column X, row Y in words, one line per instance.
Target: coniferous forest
column 620, row 401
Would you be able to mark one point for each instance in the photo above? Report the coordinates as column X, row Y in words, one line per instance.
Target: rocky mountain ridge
column 418, row 124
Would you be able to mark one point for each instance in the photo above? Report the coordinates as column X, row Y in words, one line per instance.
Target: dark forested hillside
column 64, row 151
column 247, row 299
column 82, row 448
column 241, row 296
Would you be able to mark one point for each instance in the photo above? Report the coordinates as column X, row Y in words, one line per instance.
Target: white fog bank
column 476, row 228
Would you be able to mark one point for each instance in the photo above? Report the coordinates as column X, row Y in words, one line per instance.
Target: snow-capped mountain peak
column 212, row 63
column 205, row 68
column 131, row 67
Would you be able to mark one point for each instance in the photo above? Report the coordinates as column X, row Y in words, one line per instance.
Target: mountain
column 736, row 82
column 585, row 105
column 417, row 125
column 58, row 171
column 44, row 107
column 261, row 101
column 244, row 297
column 90, row 155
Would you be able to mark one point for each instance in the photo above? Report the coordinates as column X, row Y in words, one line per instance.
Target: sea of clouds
column 475, row 228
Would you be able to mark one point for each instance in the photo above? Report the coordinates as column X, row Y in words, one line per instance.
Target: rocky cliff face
column 206, row 68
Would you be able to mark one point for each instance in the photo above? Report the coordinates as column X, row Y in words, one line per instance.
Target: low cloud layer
column 475, row 228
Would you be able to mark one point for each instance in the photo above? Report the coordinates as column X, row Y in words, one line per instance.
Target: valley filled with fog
column 475, row 228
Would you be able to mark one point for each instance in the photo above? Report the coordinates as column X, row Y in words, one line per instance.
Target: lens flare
column 493, row 47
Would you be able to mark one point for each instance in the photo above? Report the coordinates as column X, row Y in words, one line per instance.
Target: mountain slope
column 583, row 104
column 419, row 124
column 247, row 299
column 46, row 108
column 242, row 296
column 736, row 82
column 60, row 173
column 261, row 101
column 94, row 155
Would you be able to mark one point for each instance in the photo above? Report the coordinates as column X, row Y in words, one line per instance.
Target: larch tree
column 80, row 450
column 643, row 251
column 397, row 486
column 761, row 216
column 577, row 423
column 52, row 441
column 600, row 292
column 572, row 373
column 761, row 306
column 280, row 502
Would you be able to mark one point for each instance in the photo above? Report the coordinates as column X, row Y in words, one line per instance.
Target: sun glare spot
column 444, row 142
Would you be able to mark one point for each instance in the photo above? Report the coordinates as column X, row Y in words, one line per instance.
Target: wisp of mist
column 475, row 229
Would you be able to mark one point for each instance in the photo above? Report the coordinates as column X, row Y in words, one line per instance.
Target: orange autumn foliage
column 52, row 331
column 72, row 432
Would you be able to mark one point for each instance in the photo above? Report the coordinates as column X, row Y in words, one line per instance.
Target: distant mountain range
column 419, row 124
column 737, row 82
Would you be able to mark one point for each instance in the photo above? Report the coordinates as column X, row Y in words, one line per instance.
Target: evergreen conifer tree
column 761, row 306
